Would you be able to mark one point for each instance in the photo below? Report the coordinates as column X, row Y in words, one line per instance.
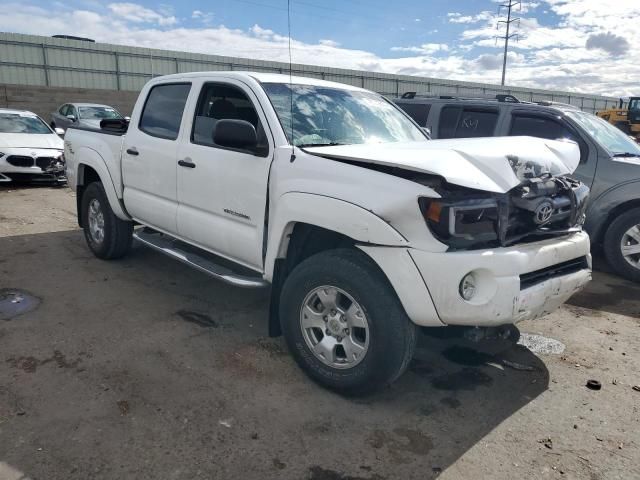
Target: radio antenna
column 293, row 151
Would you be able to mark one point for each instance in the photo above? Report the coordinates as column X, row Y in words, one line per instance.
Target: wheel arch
column 608, row 207
column 90, row 170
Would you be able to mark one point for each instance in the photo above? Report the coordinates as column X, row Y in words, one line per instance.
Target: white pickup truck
column 329, row 193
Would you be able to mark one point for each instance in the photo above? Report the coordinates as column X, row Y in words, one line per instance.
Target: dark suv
column 609, row 163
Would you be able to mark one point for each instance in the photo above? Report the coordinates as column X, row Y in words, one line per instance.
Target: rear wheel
column 622, row 244
column 344, row 324
column 108, row 236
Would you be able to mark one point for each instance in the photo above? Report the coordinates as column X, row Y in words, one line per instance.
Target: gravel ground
column 142, row 368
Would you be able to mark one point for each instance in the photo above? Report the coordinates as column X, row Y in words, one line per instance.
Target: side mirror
column 127, row 119
column 59, row 131
column 235, row 134
column 71, row 117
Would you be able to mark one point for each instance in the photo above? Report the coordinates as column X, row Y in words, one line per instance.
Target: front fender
column 329, row 213
column 600, row 208
column 90, row 158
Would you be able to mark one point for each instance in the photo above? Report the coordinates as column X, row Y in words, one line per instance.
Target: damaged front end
column 543, row 206
column 43, row 169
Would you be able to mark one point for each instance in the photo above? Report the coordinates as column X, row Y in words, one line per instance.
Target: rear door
column 222, row 192
column 149, row 157
column 555, row 127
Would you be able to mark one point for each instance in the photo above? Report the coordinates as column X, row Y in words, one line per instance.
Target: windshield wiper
column 330, row 144
column 626, row 154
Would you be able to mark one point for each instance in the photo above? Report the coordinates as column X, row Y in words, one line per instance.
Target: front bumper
column 503, row 296
column 35, row 165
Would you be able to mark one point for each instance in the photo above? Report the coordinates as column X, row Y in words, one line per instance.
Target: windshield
column 22, row 123
column 634, row 104
column 332, row 116
column 606, row 134
column 97, row 113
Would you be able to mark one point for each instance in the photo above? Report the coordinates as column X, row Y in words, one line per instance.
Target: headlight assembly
column 462, row 223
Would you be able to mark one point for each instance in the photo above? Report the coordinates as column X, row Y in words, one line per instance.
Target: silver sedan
column 82, row 115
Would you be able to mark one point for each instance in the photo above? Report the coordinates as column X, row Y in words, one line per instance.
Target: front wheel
column 108, row 236
column 622, row 244
column 344, row 323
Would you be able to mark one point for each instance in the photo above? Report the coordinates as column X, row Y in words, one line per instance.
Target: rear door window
column 463, row 122
column 162, row 113
column 418, row 111
column 541, row 127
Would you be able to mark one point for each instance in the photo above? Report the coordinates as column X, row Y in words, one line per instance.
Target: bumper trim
column 538, row 276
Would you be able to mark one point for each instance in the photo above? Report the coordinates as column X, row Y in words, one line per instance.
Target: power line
column 509, row 6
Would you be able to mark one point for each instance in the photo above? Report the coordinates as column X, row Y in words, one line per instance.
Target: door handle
column 133, row 151
column 186, row 163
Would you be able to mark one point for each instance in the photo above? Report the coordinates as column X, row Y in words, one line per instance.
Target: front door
column 149, row 157
column 222, row 192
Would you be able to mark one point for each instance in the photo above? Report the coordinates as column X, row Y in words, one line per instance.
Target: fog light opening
column 468, row 287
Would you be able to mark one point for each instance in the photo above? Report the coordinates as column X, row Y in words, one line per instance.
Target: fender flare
column 329, row 213
column 599, row 212
column 91, row 158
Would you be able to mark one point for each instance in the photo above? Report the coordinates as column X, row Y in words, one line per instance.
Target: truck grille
column 20, row 161
column 538, row 276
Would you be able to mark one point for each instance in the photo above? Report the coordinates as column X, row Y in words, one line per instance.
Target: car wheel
column 108, row 236
column 622, row 244
column 344, row 324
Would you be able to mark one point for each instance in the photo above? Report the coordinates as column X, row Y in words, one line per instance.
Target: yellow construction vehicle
column 626, row 117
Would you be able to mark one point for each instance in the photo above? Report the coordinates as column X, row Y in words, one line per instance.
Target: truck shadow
column 188, row 357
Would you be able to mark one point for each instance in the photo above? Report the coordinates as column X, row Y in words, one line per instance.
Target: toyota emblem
column 543, row 213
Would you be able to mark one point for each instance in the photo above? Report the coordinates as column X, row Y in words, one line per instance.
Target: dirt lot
column 142, row 368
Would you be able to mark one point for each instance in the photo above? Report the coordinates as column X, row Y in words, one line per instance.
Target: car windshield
column 333, row 116
column 615, row 141
column 97, row 113
column 22, row 123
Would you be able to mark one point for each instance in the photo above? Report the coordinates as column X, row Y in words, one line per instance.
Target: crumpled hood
column 495, row 164
column 30, row 140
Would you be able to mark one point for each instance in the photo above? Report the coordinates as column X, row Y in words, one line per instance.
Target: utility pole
column 509, row 6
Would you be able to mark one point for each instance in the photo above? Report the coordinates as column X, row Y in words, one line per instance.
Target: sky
column 576, row 45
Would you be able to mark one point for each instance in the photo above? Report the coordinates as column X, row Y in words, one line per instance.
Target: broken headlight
column 462, row 223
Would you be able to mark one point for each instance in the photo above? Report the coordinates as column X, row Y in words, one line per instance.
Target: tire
column 389, row 336
column 616, row 234
column 117, row 234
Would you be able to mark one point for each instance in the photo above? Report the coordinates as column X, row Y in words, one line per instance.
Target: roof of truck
column 262, row 78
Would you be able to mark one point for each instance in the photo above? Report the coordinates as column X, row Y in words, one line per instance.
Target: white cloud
column 424, row 49
column 139, row 14
column 456, row 17
column 329, row 43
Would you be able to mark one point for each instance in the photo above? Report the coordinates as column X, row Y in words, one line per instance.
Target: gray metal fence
column 46, row 61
